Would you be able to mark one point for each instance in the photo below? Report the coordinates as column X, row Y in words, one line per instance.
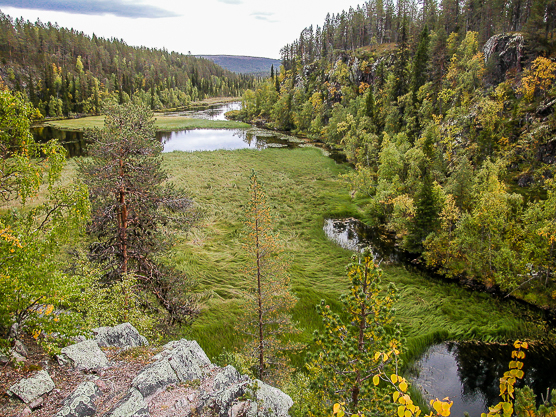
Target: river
column 468, row 373
column 195, row 139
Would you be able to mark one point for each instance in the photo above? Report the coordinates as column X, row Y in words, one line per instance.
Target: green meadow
column 162, row 123
column 304, row 188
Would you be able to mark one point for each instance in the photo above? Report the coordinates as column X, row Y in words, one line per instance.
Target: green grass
column 162, row 123
column 169, row 123
column 303, row 188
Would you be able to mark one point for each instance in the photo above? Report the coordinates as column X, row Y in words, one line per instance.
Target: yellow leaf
column 401, row 411
column 403, row 386
column 396, row 395
column 394, row 378
column 336, row 408
column 376, row 380
column 408, row 413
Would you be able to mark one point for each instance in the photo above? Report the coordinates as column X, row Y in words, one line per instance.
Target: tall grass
column 303, row 189
column 162, row 123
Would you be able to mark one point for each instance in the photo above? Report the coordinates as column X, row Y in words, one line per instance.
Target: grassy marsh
column 162, row 123
column 303, row 189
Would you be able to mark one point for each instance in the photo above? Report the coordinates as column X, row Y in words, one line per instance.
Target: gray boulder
column 20, row 348
column 29, row 389
column 83, row 356
column 226, row 377
column 188, row 360
column 154, row 378
column 132, row 405
column 272, row 402
column 16, row 357
column 80, row 403
column 123, row 335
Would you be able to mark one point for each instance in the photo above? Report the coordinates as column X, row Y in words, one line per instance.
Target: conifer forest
column 384, row 195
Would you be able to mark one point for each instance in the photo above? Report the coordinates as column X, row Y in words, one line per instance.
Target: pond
column 466, row 372
column 469, row 373
column 195, row 139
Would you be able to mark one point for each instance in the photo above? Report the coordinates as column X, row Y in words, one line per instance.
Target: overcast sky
column 202, row 27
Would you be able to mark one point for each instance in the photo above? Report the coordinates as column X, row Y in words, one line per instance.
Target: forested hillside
column 450, row 123
column 64, row 71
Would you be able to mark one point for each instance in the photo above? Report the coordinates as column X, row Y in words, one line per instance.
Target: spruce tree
column 420, row 62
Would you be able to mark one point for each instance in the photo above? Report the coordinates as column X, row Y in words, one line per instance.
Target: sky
column 201, row 27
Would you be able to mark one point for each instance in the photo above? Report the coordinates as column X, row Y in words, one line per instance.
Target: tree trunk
column 122, row 220
column 260, row 301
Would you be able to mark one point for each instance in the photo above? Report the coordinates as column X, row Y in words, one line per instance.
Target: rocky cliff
column 117, row 375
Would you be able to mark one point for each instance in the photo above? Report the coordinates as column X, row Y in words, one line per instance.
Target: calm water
column 190, row 140
column 354, row 235
column 469, row 373
column 212, row 113
column 229, row 139
column 466, row 372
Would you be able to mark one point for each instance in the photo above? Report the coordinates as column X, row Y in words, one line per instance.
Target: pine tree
column 130, row 204
column 267, row 317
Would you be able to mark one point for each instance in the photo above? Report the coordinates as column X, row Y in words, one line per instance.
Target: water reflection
column 72, row 141
column 227, row 139
column 212, row 113
column 355, row 235
column 469, row 373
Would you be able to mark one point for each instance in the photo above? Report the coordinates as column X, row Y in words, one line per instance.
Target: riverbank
column 303, row 189
column 162, row 123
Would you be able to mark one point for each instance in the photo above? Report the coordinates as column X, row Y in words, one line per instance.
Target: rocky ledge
column 117, row 375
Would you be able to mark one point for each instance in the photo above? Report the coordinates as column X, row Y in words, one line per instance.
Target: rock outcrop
column 84, row 356
column 29, row 389
column 123, row 335
column 180, row 381
column 503, row 52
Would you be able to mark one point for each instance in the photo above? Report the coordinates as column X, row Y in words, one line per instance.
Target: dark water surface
column 195, row 139
column 469, row 373
column 466, row 372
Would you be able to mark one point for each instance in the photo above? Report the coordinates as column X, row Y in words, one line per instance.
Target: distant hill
column 244, row 64
column 64, row 71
